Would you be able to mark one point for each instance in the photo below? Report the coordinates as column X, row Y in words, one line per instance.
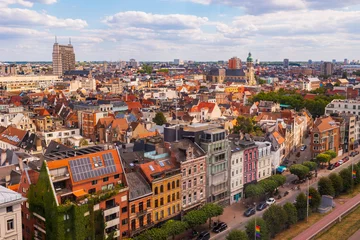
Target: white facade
column 25, row 82
column 343, row 106
column 236, row 175
column 61, row 135
column 10, row 214
column 86, row 83
column 264, row 164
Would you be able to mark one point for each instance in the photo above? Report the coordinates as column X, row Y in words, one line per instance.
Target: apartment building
column 236, row 172
column 62, row 135
column 28, row 82
column 86, row 188
column 265, row 161
column 63, row 58
column 343, row 106
column 251, row 159
column 47, row 123
column 192, row 161
column 88, row 121
column 164, row 176
column 10, row 214
column 325, row 135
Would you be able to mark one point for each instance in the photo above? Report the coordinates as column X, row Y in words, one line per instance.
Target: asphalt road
column 291, row 197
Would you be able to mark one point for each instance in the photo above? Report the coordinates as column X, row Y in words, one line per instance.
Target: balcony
column 141, row 213
column 114, row 222
column 111, row 209
column 141, row 229
column 116, row 234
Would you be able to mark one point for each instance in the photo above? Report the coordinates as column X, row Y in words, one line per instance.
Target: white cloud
column 154, row 21
column 26, row 17
column 25, row 3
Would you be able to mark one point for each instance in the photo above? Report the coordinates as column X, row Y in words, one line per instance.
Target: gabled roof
column 278, row 137
column 155, row 167
column 203, row 105
column 324, row 124
column 13, row 136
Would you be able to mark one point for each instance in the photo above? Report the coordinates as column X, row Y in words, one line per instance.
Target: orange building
column 234, row 63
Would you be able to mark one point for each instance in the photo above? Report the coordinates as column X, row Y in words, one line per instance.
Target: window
column 195, row 182
column 168, row 198
column 148, row 203
column 201, row 167
column 173, row 197
column 173, row 184
column 184, row 172
column 9, row 209
column 124, row 209
column 162, row 214
column 161, row 201
column 250, row 156
column 169, row 211
column 201, row 194
column 148, row 218
column 189, row 184
column 116, row 176
column 156, row 203
column 10, row 224
column 133, row 224
column 189, row 171
column 66, row 217
column 168, row 186
column 189, row 198
column 156, row 216
column 133, row 208
column 141, row 206
column 201, row 180
column 184, row 185
column 156, row 190
column 173, row 209
column 195, row 169
column 105, row 179
column 184, row 200
column 161, row 189
column 177, row 183
column 92, row 190
column 93, row 182
column 195, row 197
column 178, row 195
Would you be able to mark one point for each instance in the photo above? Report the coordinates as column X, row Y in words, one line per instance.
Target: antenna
column 55, row 39
column 69, row 41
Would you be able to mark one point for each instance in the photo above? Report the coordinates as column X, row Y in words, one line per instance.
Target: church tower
column 250, row 72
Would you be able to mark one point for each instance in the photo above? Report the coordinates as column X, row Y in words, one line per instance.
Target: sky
column 164, row 30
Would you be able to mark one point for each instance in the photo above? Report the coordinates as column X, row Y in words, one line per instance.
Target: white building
column 10, row 214
column 25, row 82
column 61, row 135
column 343, row 106
column 85, row 83
column 236, row 173
column 264, row 164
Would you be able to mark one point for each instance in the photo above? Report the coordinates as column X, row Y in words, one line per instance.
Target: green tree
column 159, row 119
column 244, row 125
column 314, row 199
column 311, row 165
column 280, row 179
column 291, row 213
column 237, row 235
column 275, row 218
column 153, row 234
column 254, row 191
column 346, row 176
column 323, row 158
column 299, row 170
column 212, row 210
column 331, row 153
column 195, row 218
column 147, row 68
column 325, row 187
column 173, row 227
column 301, row 206
column 268, row 185
column 337, row 183
column 344, row 75
column 250, row 229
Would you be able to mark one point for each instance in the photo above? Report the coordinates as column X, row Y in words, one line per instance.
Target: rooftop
column 7, row 195
column 137, row 185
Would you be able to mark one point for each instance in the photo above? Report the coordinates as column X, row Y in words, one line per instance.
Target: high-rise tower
column 63, row 58
column 250, row 72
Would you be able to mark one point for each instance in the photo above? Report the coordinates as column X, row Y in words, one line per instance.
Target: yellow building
column 232, row 89
column 164, row 177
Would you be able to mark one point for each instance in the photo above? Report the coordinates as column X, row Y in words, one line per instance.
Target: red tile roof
column 13, row 136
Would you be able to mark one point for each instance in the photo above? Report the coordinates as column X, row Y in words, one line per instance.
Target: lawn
column 343, row 230
column 299, row 227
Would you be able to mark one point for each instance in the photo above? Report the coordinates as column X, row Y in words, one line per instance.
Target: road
column 290, row 198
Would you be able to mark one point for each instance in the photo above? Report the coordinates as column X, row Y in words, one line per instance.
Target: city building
column 63, row 57
column 343, row 106
column 192, row 161
column 250, row 161
column 264, row 168
column 286, row 63
column 10, row 214
column 250, row 72
column 178, row 62
column 325, row 135
column 327, row 68
column 236, row 172
column 234, row 63
column 28, row 83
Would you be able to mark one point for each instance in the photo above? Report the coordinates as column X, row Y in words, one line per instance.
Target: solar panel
column 162, row 164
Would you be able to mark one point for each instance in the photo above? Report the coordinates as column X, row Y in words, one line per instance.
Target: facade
column 63, row 58
column 286, row 63
column 268, row 106
column 192, row 161
column 250, row 72
column 343, row 106
column 324, row 136
column 236, row 173
column 264, row 168
column 25, row 83
column 234, row 63
column 10, row 214
column 327, row 68
column 88, row 121
column 250, row 161
column 205, row 111
column 60, row 135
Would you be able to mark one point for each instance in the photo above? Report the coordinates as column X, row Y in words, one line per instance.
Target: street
column 233, row 215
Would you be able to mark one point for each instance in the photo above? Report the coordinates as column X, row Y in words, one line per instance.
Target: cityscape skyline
column 190, row 29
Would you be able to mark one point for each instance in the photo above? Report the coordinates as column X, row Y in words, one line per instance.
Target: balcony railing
column 141, row 213
column 141, row 229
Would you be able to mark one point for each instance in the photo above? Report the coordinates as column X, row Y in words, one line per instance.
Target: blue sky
column 163, row 30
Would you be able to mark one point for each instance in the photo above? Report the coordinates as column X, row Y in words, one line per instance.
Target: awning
column 80, row 193
column 281, row 169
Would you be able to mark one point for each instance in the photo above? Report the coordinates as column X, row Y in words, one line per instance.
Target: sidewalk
column 335, row 214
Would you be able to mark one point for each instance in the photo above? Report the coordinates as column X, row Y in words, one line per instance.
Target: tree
column 280, row 179
column 254, row 190
column 237, row 235
column 314, row 199
column 153, row 234
column 337, row 183
column 346, row 176
column 268, row 185
column 195, row 218
column 173, row 227
column 344, row 75
column 291, row 213
column 159, row 119
column 323, row 158
column 301, row 206
column 147, row 69
column 212, row 210
column 275, row 218
column 331, row 153
column 325, row 187
column 244, row 125
column 250, row 229
column 311, row 165
column 299, row 170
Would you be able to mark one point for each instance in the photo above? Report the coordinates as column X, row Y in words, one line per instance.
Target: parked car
column 331, row 167
column 270, row 201
column 303, row 147
column 221, row 226
column 345, row 159
column 261, row 206
column 249, row 212
column 340, row 162
column 352, row 154
column 336, row 164
column 203, row 236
